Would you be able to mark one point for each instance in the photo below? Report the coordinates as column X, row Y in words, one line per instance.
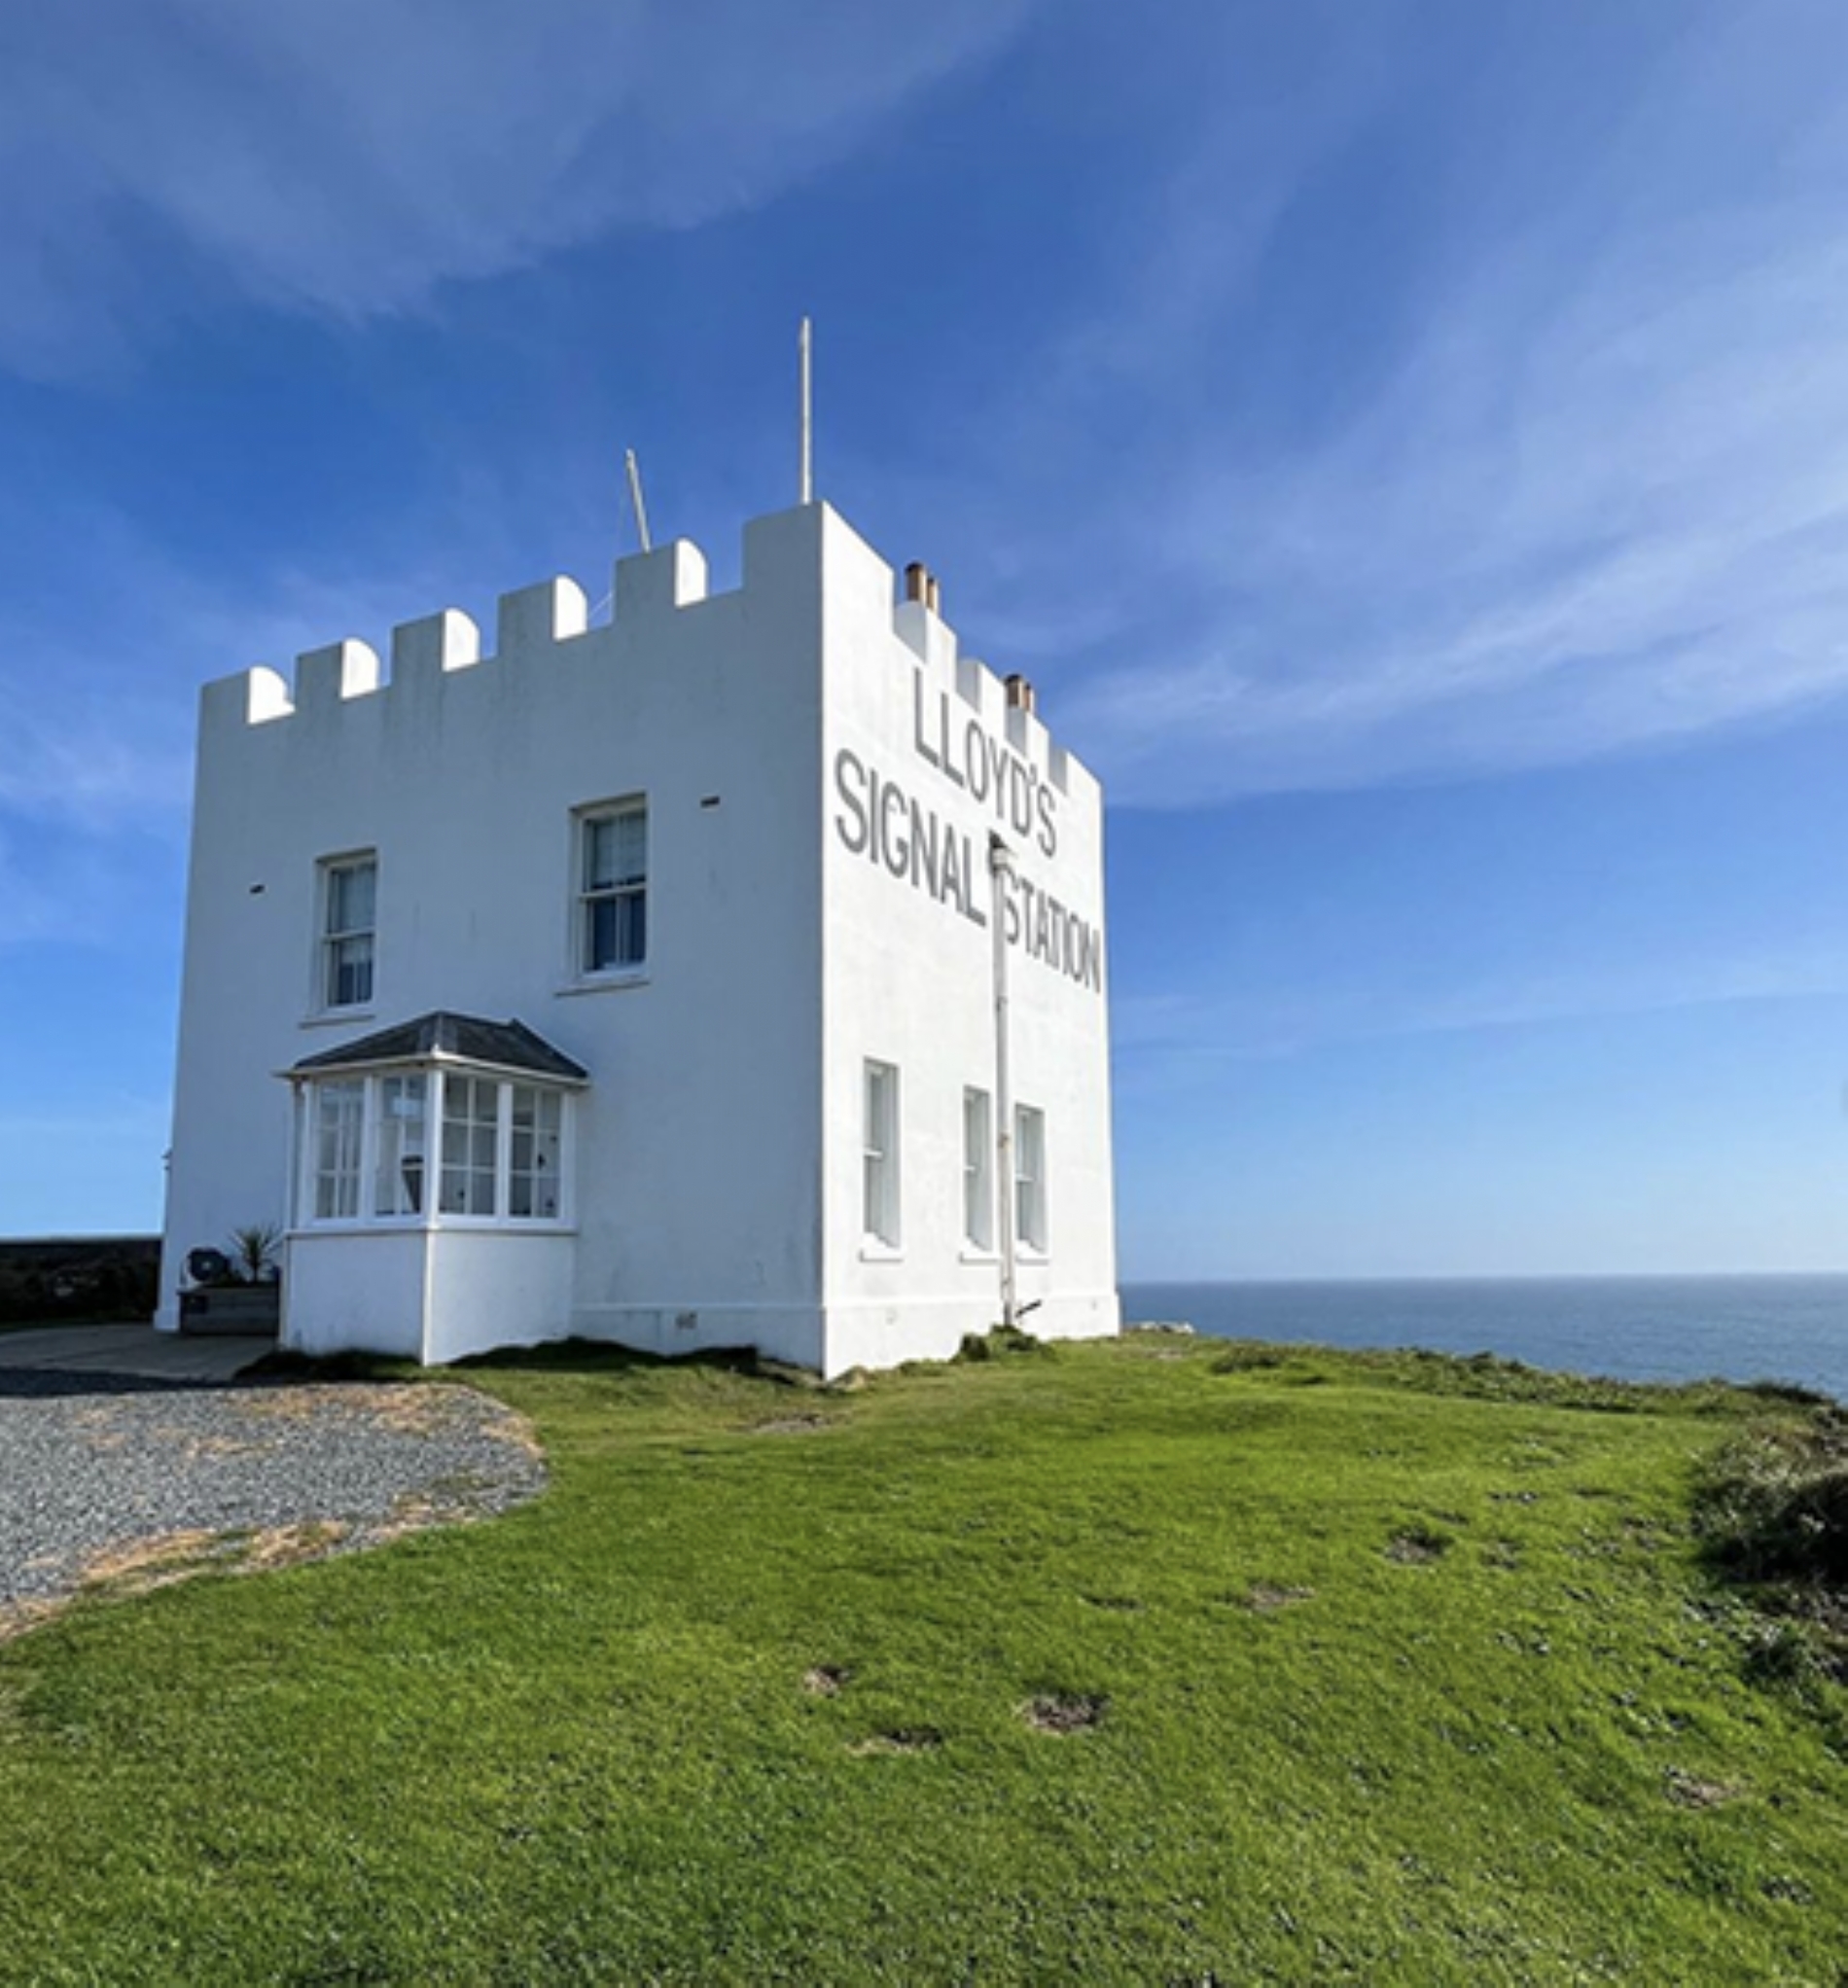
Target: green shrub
column 997, row 1342
column 1773, row 1504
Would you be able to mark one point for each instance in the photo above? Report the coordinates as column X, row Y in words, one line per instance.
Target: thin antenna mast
column 807, row 405
column 635, row 501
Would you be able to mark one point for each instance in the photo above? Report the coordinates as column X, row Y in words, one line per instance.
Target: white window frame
column 485, row 1123
column 337, row 1135
column 1031, row 1226
column 331, row 943
column 587, row 895
column 880, row 1176
column 403, row 1171
column 978, row 1172
column 536, row 1166
column 374, row 1150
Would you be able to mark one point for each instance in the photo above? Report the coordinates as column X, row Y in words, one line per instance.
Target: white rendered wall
column 698, row 1142
column 495, row 1287
column 908, row 978
column 356, row 1290
column 707, row 1210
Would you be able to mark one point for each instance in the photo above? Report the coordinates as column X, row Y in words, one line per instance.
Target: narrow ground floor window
column 979, row 1171
column 1029, row 1175
column 881, row 1154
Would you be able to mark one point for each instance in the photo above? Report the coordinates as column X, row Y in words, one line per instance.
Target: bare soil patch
column 1266, row 1598
column 903, row 1739
column 1065, row 1712
column 794, row 1425
column 1692, row 1790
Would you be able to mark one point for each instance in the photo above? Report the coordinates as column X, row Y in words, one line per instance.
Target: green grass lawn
column 1399, row 1678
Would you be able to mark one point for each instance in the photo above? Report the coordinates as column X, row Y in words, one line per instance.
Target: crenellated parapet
column 786, row 556
column 1003, row 705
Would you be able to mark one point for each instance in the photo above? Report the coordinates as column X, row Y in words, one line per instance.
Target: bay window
column 498, row 1154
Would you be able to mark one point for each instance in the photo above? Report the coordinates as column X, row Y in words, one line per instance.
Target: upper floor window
column 613, row 888
column 1029, row 1175
column 880, row 1155
column 349, row 898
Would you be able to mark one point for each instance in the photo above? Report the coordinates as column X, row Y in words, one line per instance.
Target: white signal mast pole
column 635, row 501
column 807, row 414
column 1001, row 884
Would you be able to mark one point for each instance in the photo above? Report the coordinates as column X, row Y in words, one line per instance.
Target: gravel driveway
column 107, row 1481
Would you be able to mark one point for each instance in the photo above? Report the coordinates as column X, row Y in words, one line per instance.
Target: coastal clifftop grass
column 1164, row 1659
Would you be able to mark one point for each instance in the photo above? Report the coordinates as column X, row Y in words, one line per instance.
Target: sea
column 1745, row 1327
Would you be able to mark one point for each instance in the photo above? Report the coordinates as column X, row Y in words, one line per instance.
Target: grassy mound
column 1155, row 1660
column 1771, row 1512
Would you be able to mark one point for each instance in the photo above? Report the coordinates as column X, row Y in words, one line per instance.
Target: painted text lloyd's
column 877, row 819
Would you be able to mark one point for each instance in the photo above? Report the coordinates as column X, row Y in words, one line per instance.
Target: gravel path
column 89, row 1475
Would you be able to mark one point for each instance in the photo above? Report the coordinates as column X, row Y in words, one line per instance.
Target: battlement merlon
column 801, row 555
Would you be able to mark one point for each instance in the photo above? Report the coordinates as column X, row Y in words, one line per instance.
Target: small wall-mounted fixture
column 1019, row 693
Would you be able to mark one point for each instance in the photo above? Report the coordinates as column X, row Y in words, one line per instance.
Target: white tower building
column 642, row 983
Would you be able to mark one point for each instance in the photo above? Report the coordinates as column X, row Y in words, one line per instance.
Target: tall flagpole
column 807, row 414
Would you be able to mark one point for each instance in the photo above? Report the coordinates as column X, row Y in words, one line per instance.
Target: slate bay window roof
column 443, row 1037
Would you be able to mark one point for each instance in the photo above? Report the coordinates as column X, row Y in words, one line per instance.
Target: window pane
column 532, row 1188
column 629, row 846
column 471, row 1116
column 599, row 855
column 351, row 889
column 339, row 1116
column 398, row 1189
column 350, row 974
column 600, row 950
column 631, row 928
column 615, row 849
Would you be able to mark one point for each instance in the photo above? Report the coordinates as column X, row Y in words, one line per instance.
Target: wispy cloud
column 1185, row 1033
column 97, row 707
column 1576, row 487
column 350, row 156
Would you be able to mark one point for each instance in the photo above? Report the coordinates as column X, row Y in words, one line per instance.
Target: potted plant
column 236, row 1291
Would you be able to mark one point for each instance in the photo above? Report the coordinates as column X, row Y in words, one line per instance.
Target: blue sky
column 1404, row 441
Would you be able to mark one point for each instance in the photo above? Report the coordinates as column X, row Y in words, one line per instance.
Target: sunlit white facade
column 640, row 981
